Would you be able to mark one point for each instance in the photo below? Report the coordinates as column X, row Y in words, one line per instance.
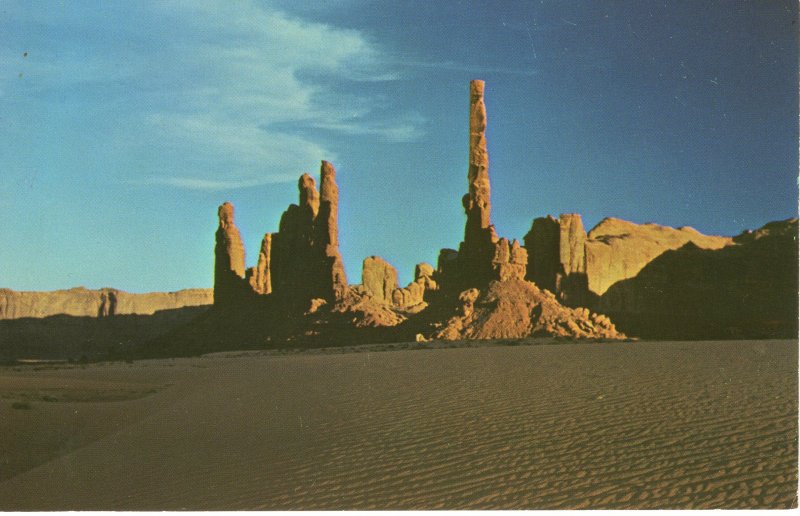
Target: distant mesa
column 107, row 302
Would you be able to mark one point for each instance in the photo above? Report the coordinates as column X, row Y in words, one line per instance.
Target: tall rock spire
column 477, row 251
column 328, row 224
column 329, row 206
column 229, row 258
column 260, row 276
column 477, row 203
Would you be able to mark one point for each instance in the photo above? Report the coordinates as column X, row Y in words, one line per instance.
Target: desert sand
column 557, row 426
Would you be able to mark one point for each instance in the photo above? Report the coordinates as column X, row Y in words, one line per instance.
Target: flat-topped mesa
column 229, row 268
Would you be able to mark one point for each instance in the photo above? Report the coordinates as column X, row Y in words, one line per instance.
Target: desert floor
column 569, row 425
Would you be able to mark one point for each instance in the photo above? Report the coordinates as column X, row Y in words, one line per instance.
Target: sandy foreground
column 616, row 425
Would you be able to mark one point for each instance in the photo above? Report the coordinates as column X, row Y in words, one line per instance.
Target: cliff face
column 577, row 266
column 662, row 282
column 80, row 302
column 747, row 289
column 617, row 250
column 557, row 257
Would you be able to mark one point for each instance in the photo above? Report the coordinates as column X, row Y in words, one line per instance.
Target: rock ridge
column 106, row 302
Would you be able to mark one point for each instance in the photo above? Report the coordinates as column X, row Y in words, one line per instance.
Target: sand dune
column 617, row 425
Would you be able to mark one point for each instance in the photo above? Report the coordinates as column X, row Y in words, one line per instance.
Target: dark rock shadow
column 65, row 337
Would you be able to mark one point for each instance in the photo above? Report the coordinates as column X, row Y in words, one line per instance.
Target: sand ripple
column 623, row 425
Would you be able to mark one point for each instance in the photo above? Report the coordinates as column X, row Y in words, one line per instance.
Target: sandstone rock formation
column 329, row 229
column 305, row 262
column 379, row 278
column 424, row 271
column 447, row 264
column 747, row 289
column 364, row 311
column 81, row 302
column 509, row 262
column 379, row 282
column 617, row 249
column 229, row 259
column 556, row 256
column 482, row 256
column 578, row 267
column 108, row 304
column 516, row 308
column 490, row 288
column 780, row 231
column 661, row 282
column 413, row 296
column 259, row 277
column 500, row 302
column 478, row 248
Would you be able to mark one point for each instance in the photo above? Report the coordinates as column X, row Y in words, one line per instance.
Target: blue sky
column 123, row 125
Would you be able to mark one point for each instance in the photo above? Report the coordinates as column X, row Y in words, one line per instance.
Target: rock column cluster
column 305, row 259
column 509, row 261
column 299, row 263
column 557, row 259
column 379, row 281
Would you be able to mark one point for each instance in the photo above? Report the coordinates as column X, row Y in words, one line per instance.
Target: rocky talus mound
column 517, row 308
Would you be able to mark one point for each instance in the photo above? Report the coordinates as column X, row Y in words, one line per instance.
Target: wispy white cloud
column 460, row 67
column 408, row 127
column 213, row 88
column 193, row 183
